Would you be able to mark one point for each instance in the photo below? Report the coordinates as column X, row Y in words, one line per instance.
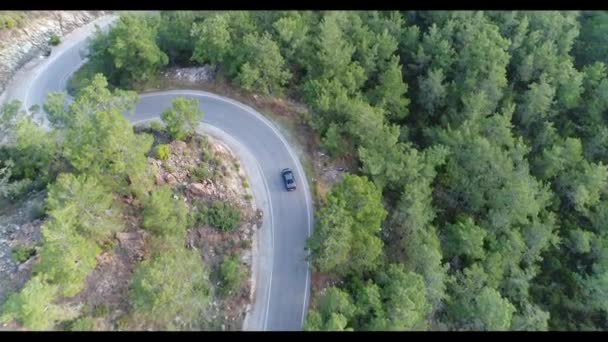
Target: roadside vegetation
column 480, row 197
column 11, row 19
column 100, row 190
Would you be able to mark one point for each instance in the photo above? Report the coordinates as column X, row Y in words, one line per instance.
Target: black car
column 290, row 181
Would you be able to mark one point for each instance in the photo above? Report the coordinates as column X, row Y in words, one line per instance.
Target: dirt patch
column 321, row 281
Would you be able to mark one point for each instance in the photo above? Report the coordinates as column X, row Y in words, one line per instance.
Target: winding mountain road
column 282, row 274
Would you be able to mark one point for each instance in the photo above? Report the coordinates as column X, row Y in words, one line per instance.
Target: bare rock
column 159, row 179
column 170, row 179
column 197, row 189
column 20, row 47
column 201, row 74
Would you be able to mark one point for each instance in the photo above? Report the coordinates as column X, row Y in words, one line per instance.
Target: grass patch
column 11, row 19
column 83, row 324
column 162, row 152
column 201, row 172
column 22, row 254
column 157, row 126
column 232, row 275
column 221, row 215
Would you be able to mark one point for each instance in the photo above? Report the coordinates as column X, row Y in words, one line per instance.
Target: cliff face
column 19, row 45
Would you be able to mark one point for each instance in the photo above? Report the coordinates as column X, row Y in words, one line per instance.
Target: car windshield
column 289, row 177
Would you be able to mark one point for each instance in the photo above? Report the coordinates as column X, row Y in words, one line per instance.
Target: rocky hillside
column 20, row 44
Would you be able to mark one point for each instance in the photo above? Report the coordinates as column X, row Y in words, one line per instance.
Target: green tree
column 66, row 257
column 334, row 310
column 132, row 49
column 405, row 303
column 173, row 283
column 56, row 109
column 232, row 275
column 100, row 141
column 174, row 35
column 331, row 242
column 264, row 69
column 88, row 202
column 33, row 306
column 164, row 215
column 464, row 238
column 591, row 43
column 390, row 93
column 212, row 39
column 182, row 118
column 356, row 202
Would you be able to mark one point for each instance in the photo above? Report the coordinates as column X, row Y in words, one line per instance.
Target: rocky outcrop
column 194, row 75
column 20, row 45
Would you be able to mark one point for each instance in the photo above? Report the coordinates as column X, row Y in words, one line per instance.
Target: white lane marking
column 271, row 126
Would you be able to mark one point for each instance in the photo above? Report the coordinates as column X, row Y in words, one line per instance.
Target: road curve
column 283, row 277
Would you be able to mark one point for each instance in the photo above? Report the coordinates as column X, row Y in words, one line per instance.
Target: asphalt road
column 282, row 276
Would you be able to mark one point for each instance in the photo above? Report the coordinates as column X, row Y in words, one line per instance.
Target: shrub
column 55, row 40
column 164, row 215
column 182, row 118
column 22, row 254
column 81, row 78
column 156, row 126
column 245, row 184
column 38, row 211
column 248, row 197
column 162, row 152
column 11, row 19
column 245, row 243
column 172, row 283
column 201, row 172
column 33, row 307
column 224, row 216
column 83, row 324
column 100, row 310
column 232, row 275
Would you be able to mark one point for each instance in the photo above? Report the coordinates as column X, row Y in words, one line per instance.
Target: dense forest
column 480, row 202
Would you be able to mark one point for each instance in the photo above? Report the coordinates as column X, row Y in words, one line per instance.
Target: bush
column 245, row 184
column 248, row 197
column 182, row 118
column 201, row 173
column 22, row 254
column 38, row 211
column 55, row 40
column 83, row 324
column 100, row 310
column 156, row 126
column 172, row 283
column 164, row 215
column 224, row 216
column 162, row 152
column 81, row 78
column 33, row 307
column 232, row 275
column 11, row 19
